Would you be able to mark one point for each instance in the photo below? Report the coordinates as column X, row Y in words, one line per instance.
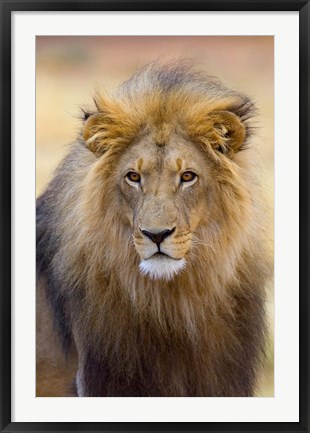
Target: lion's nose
column 157, row 238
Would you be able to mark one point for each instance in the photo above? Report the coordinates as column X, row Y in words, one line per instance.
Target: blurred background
column 69, row 68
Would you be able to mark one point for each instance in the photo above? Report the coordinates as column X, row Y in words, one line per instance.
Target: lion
column 151, row 254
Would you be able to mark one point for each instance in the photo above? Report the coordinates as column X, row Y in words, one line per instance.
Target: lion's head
column 167, row 147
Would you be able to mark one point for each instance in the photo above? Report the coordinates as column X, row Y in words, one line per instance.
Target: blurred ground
column 69, row 68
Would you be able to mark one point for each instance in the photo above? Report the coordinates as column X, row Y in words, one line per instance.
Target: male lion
column 150, row 246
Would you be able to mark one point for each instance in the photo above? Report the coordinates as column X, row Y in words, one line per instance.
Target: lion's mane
column 200, row 334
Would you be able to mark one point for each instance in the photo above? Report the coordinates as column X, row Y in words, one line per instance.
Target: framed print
column 170, row 285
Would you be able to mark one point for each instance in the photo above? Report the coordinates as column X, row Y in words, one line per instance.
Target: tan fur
column 186, row 326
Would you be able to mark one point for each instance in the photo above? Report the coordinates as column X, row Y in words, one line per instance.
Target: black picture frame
column 7, row 7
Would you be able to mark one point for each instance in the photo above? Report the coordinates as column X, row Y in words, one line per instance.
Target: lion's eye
column 188, row 176
column 134, row 177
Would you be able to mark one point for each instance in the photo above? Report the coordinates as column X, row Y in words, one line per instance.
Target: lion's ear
column 90, row 125
column 228, row 133
column 94, row 130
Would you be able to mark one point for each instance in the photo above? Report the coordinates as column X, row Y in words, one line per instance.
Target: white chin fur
column 161, row 267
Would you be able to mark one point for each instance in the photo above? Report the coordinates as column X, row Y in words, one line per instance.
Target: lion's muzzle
column 160, row 259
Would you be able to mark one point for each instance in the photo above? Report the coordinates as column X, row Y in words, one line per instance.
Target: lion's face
column 171, row 151
column 163, row 188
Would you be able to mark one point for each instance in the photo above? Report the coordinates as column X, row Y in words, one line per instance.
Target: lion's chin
column 161, row 267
